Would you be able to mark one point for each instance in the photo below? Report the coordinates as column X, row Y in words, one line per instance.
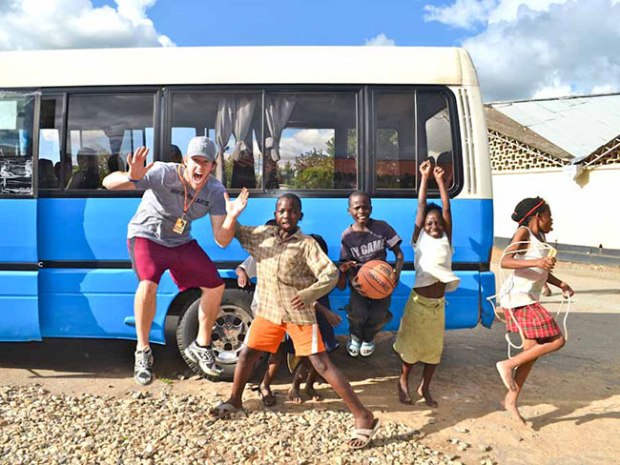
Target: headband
column 531, row 211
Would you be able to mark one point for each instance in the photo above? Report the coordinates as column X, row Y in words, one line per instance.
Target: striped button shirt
column 286, row 268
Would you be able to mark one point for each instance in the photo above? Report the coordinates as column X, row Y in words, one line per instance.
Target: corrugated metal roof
column 579, row 125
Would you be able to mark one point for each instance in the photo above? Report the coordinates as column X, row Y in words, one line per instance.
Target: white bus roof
column 236, row 65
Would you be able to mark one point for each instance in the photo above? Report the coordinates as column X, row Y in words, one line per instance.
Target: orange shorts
column 266, row 336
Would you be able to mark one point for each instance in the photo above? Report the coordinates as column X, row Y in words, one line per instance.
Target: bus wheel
column 229, row 330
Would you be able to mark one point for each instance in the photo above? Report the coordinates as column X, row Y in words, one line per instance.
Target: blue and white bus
column 314, row 120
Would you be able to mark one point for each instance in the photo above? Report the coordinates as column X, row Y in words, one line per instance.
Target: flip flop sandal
column 364, row 435
column 353, row 347
column 367, row 349
column 223, row 411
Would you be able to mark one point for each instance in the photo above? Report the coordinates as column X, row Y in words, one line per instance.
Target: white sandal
column 353, row 347
column 367, row 349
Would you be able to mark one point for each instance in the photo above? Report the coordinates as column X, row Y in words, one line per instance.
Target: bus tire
column 229, row 330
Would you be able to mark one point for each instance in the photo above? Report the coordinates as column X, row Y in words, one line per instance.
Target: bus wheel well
column 184, row 299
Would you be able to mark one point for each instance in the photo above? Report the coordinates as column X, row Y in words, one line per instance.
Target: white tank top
column 433, row 262
column 523, row 286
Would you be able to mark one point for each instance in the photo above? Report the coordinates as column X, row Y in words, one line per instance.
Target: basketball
column 375, row 280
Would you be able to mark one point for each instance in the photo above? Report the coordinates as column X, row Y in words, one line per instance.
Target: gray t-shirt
column 162, row 205
column 370, row 244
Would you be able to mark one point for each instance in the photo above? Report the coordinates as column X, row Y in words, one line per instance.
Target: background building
column 566, row 150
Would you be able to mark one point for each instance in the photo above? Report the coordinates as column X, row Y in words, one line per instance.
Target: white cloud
column 33, row 24
column 297, row 142
column 380, row 40
column 555, row 89
column 462, row 13
column 544, row 48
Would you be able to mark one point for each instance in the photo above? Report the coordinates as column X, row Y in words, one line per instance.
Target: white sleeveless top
column 523, row 286
column 433, row 262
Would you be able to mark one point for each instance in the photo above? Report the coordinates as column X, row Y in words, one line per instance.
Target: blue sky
column 521, row 48
column 296, row 22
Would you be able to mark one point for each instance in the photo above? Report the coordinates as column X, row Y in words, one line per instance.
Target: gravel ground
column 37, row 427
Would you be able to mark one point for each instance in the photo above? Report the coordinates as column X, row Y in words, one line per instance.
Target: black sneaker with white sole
column 204, row 358
column 143, row 367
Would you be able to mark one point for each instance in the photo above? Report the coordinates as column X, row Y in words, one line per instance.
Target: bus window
column 233, row 121
column 311, row 140
column 102, row 129
column 435, row 134
column 395, row 140
column 16, row 122
column 50, row 172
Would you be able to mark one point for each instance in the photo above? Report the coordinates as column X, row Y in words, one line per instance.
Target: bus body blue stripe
column 99, row 302
column 96, row 228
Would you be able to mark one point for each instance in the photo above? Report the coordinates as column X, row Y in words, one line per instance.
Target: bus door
column 86, row 282
column 19, row 317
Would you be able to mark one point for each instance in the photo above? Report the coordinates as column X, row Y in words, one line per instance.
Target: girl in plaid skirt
column 530, row 258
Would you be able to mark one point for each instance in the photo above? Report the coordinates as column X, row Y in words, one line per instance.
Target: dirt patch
column 572, row 398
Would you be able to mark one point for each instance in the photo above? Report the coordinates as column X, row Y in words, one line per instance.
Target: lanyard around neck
column 185, row 204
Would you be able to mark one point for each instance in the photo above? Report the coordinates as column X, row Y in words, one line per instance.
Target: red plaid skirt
column 534, row 320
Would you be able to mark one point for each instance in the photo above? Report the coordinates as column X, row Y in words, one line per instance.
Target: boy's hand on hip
column 297, row 303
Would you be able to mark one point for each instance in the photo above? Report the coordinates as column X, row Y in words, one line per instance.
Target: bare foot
column 426, row 393
column 511, row 407
column 506, row 374
column 294, row 396
column 403, row 393
column 313, row 394
column 268, row 398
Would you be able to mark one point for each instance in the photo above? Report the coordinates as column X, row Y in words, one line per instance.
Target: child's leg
column 424, row 387
column 510, row 401
column 299, row 374
column 243, row 371
column 310, row 380
column 325, row 368
column 378, row 316
column 272, row 368
column 532, row 351
column 403, row 384
column 357, row 314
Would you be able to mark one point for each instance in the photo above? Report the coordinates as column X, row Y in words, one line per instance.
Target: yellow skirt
column 421, row 332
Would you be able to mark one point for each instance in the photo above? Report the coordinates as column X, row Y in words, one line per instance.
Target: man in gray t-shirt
column 159, row 239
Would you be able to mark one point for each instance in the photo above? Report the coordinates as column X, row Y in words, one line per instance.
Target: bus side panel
column 19, row 312
column 19, row 315
column 96, row 229
column 97, row 303
column 487, row 290
column 18, row 226
column 462, row 305
column 79, row 229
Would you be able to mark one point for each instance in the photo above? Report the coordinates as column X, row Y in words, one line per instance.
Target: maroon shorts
column 535, row 322
column 189, row 265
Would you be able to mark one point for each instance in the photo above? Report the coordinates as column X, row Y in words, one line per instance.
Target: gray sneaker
column 143, row 367
column 204, row 358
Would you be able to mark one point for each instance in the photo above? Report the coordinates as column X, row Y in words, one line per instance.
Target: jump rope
column 506, row 276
